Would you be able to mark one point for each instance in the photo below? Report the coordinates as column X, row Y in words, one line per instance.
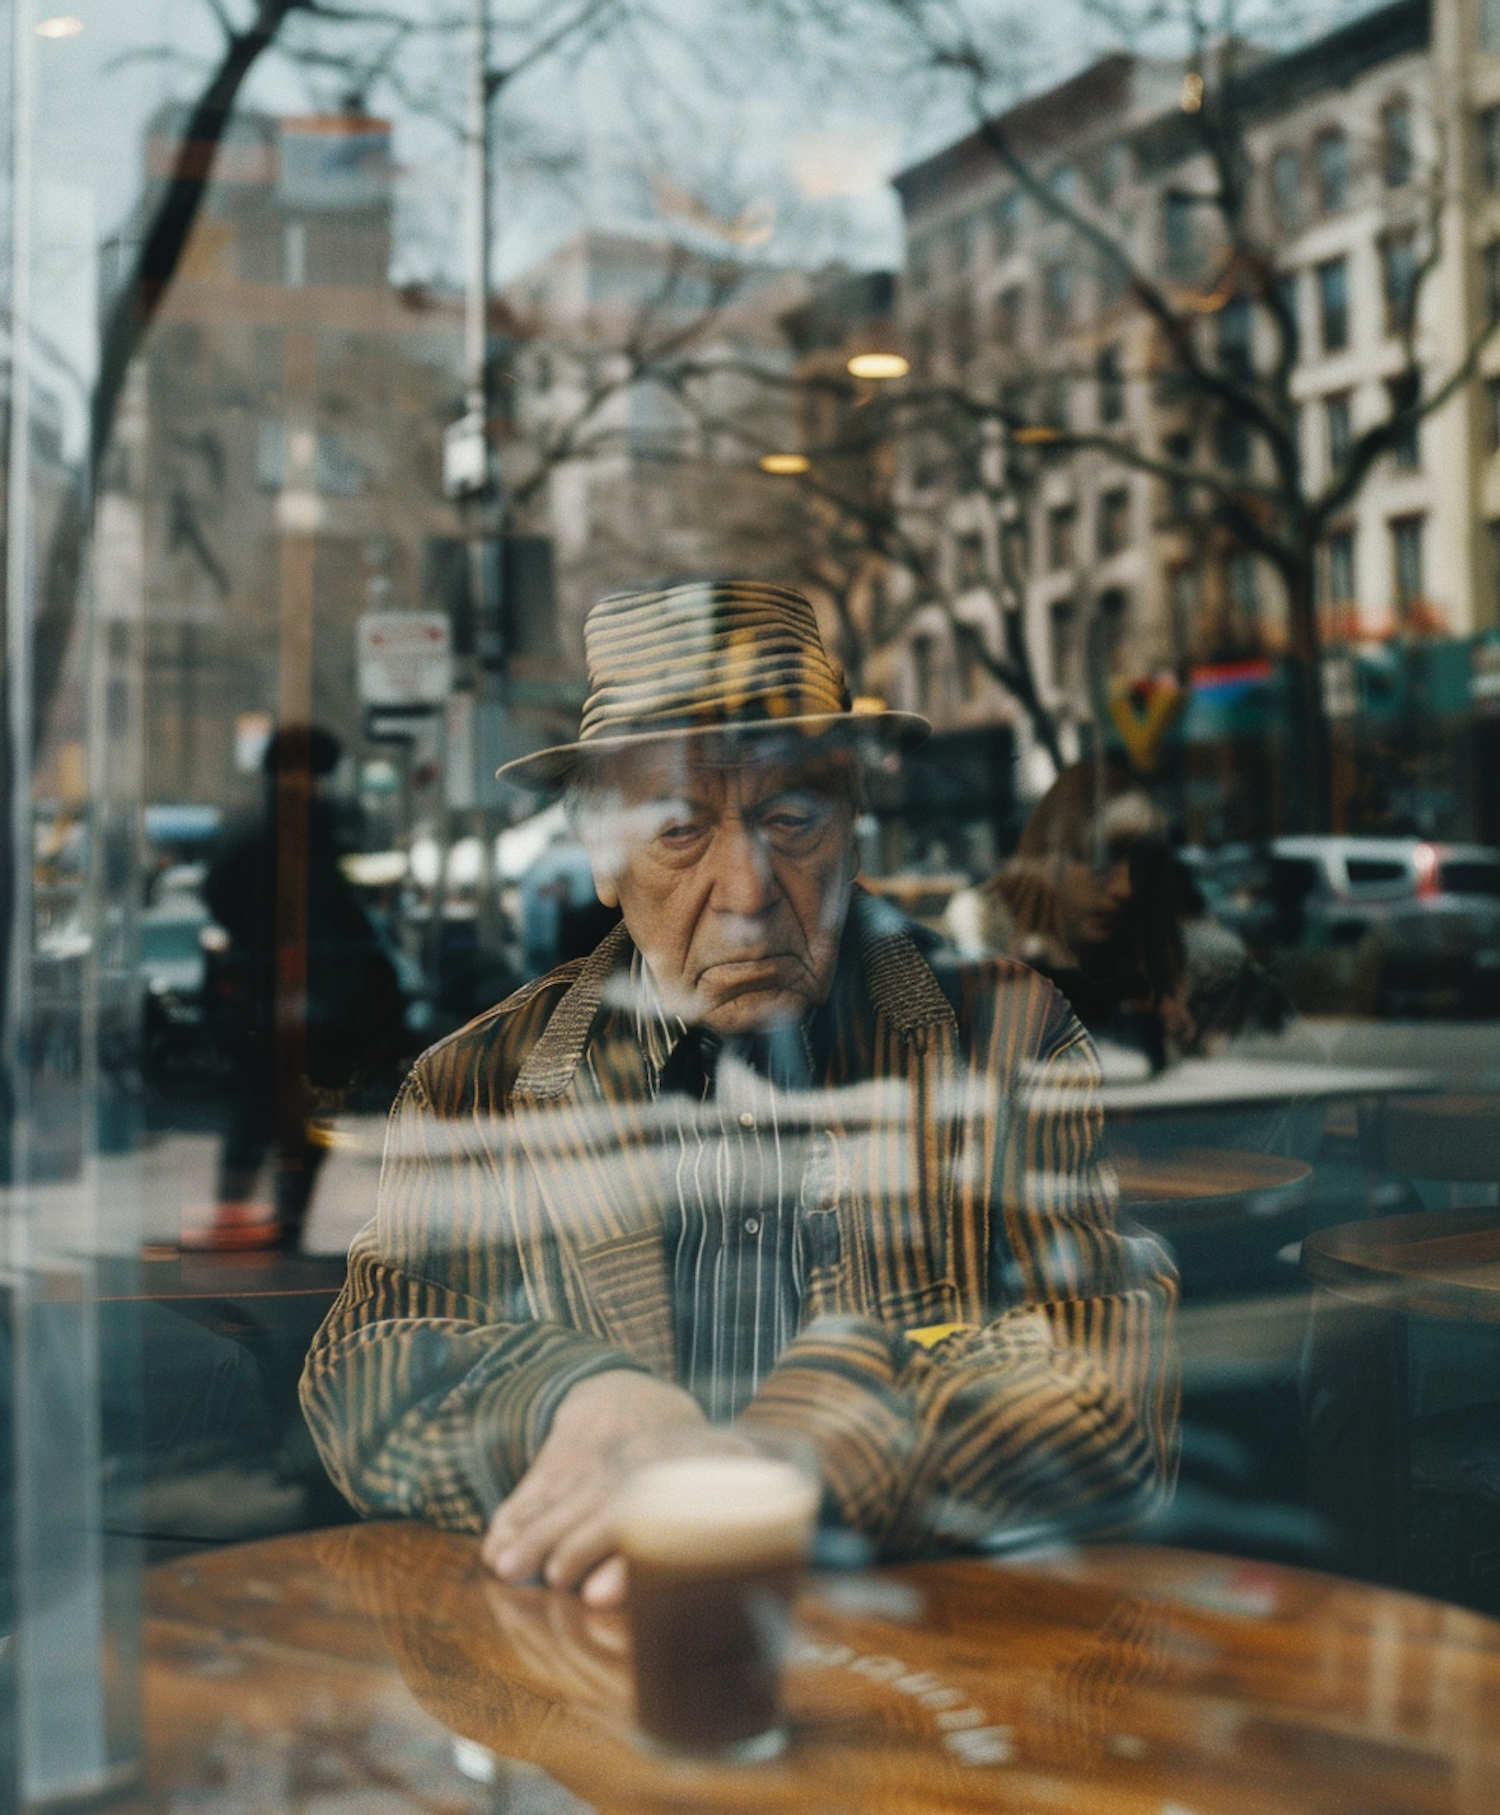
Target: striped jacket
column 955, row 1189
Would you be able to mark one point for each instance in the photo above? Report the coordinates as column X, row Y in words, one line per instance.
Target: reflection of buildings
column 284, row 378
column 1347, row 168
column 652, row 377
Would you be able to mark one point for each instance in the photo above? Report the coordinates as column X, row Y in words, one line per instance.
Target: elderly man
column 757, row 1173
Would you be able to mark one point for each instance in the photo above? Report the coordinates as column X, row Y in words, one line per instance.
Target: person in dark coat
column 304, row 994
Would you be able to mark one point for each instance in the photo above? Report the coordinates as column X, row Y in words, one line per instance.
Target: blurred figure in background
column 561, row 916
column 304, row 994
column 1094, row 899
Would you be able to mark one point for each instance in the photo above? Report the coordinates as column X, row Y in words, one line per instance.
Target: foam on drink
column 739, row 1512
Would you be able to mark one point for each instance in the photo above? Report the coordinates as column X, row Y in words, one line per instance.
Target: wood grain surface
column 1209, row 1178
column 1442, row 1137
column 1437, row 1264
column 377, row 1668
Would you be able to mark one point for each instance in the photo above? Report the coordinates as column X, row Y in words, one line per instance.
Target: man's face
column 733, row 876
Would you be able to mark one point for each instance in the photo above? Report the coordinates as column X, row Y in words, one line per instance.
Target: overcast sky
column 795, row 148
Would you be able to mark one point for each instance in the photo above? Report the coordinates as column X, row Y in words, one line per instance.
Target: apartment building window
column 923, row 672
column 970, row 562
column 1114, row 521
column 1063, row 645
column 1057, row 296
column 1333, row 304
column 1289, row 293
column 961, row 330
column 1062, row 523
column 1111, row 386
column 1492, row 414
column 961, row 244
column 1490, row 276
column 1396, row 159
column 1338, row 568
column 1005, row 224
column 1179, row 222
column 1244, row 593
column 1286, row 188
column 1182, row 583
column 1113, row 611
column 1007, row 316
column 1053, row 401
column 1406, row 561
column 1398, row 279
column 1331, row 169
column 1487, row 128
column 1404, row 394
column 1337, row 428
column 919, row 262
column 1235, row 328
column 968, row 645
column 1489, row 25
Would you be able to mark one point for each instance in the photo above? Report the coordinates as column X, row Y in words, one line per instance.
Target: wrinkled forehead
column 743, row 769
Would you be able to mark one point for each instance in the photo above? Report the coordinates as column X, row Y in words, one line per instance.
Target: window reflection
column 1121, row 1065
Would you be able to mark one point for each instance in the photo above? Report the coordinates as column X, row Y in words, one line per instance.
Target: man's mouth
column 730, row 971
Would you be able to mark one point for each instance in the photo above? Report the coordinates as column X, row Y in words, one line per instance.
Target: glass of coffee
column 715, row 1548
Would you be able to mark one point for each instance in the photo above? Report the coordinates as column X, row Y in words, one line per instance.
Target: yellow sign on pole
column 1144, row 712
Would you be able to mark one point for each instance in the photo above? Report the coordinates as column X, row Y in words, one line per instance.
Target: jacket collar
column 901, row 987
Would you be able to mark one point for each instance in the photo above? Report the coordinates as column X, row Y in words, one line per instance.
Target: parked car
column 1407, row 926
column 176, row 931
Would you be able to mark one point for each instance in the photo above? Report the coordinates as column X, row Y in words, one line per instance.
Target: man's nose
column 743, row 880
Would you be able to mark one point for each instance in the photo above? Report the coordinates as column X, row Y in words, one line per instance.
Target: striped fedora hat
column 721, row 658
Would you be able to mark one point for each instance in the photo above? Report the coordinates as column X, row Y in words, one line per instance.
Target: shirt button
column 752, row 1225
column 746, row 1119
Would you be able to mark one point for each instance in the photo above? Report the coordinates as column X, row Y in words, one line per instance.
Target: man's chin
column 749, row 998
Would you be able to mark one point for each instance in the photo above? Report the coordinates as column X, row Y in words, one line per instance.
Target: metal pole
column 484, row 508
column 477, row 220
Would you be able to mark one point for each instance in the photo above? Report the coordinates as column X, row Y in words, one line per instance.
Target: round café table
column 371, row 1670
column 1370, row 1278
column 1195, row 1185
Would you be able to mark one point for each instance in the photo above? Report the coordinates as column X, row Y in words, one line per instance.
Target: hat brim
column 551, row 768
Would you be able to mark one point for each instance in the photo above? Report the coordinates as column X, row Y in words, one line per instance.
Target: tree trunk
column 1308, row 796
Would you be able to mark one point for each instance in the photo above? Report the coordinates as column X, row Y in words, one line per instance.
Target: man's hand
column 559, row 1521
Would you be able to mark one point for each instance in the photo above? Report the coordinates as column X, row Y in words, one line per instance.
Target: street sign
column 404, row 658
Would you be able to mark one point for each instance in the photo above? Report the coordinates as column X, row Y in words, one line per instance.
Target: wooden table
column 1451, row 1136
column 1371, row 1277
column 1437, row 1264
column 370, row 1668
column 1200, row 1184
column 1230, row 1081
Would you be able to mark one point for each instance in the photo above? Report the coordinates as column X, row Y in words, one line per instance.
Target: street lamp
column 785, row 465
column 878, row 365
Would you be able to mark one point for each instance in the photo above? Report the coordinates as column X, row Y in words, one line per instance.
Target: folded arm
column 1061, row 1407
column 422, row 1403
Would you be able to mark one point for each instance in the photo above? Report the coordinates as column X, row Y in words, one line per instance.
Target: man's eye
column 678, row 832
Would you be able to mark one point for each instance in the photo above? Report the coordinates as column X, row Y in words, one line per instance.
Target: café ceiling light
column 60, row 25
column 1192, row 92
column 878, row 365
column 788, row 465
